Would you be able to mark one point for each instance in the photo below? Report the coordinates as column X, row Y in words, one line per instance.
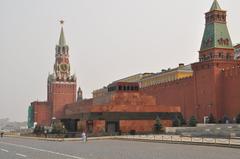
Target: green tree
column 176, row 122
column 182, row 120
column 192, row 121
column 58, row 128
column 238, row 119
column 158, row 126
column 211, row 119
column 179, row 120
column 38, row 130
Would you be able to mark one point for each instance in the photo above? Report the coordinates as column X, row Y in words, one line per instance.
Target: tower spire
column 215, row 6
column 62, row 65
column 62, row 41
column 216, row 41
column 79, row 94
column 62, row 47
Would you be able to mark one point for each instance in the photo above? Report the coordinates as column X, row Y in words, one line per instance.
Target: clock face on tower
column 63, row 67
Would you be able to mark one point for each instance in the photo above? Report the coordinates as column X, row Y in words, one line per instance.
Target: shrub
column 176, row 122
column 182, row 120
column 179, row 120
column 58, row 128
column 157, row 126
column 238, row 119
column 192, row 121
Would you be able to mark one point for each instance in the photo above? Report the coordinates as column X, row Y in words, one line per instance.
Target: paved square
column 109, row 149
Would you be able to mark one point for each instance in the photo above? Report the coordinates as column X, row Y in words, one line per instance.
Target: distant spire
column 215, row 6
column 62, row 41
column 79, row 94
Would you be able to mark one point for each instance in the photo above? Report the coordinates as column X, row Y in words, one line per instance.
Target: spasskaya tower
column 61, row 84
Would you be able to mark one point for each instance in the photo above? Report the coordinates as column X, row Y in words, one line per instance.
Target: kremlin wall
column 210, row 86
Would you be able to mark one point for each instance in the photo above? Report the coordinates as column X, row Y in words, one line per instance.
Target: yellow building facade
column 167, row 76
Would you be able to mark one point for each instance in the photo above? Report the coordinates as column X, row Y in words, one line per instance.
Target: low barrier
column 231, row 142
column 184, row 139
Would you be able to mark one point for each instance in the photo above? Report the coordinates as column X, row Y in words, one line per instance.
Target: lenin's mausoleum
column 209, row 86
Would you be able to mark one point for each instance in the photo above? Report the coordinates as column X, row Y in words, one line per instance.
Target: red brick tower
column 216, row 54
column 61, row 84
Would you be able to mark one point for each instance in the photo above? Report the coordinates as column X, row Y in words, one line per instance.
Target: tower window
column 211, row 55
column 220, row 55
column 228, row 57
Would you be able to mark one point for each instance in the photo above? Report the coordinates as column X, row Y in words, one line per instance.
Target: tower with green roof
column 216, row 54
column 216, row 41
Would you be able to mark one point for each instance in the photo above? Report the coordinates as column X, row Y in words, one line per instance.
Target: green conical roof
column 216, row 33
column 213, row 33
column 62, row 41
column 215, row 6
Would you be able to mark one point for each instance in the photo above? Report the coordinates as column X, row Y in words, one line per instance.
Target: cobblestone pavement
column 17, row 148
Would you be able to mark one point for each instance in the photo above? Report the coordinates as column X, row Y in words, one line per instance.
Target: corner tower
column 61, row 84
column 216, row 41
column 216, row 54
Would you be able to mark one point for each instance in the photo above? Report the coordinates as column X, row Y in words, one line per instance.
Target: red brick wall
column 205, row 89
column 42, row 113
column 82, row 106
column 209, row 87
column 141, row 125
column 61, row 94
column 206, row 92
column 177, row 93
column 232, row 92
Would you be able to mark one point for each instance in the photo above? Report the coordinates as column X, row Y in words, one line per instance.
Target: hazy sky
column 108, row 40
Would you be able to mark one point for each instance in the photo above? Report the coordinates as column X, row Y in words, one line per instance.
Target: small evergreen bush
column 238, row 119
column 192, row 121
column 157, row 126
column 176, row 122
column 58, row 128
column 182, row 120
